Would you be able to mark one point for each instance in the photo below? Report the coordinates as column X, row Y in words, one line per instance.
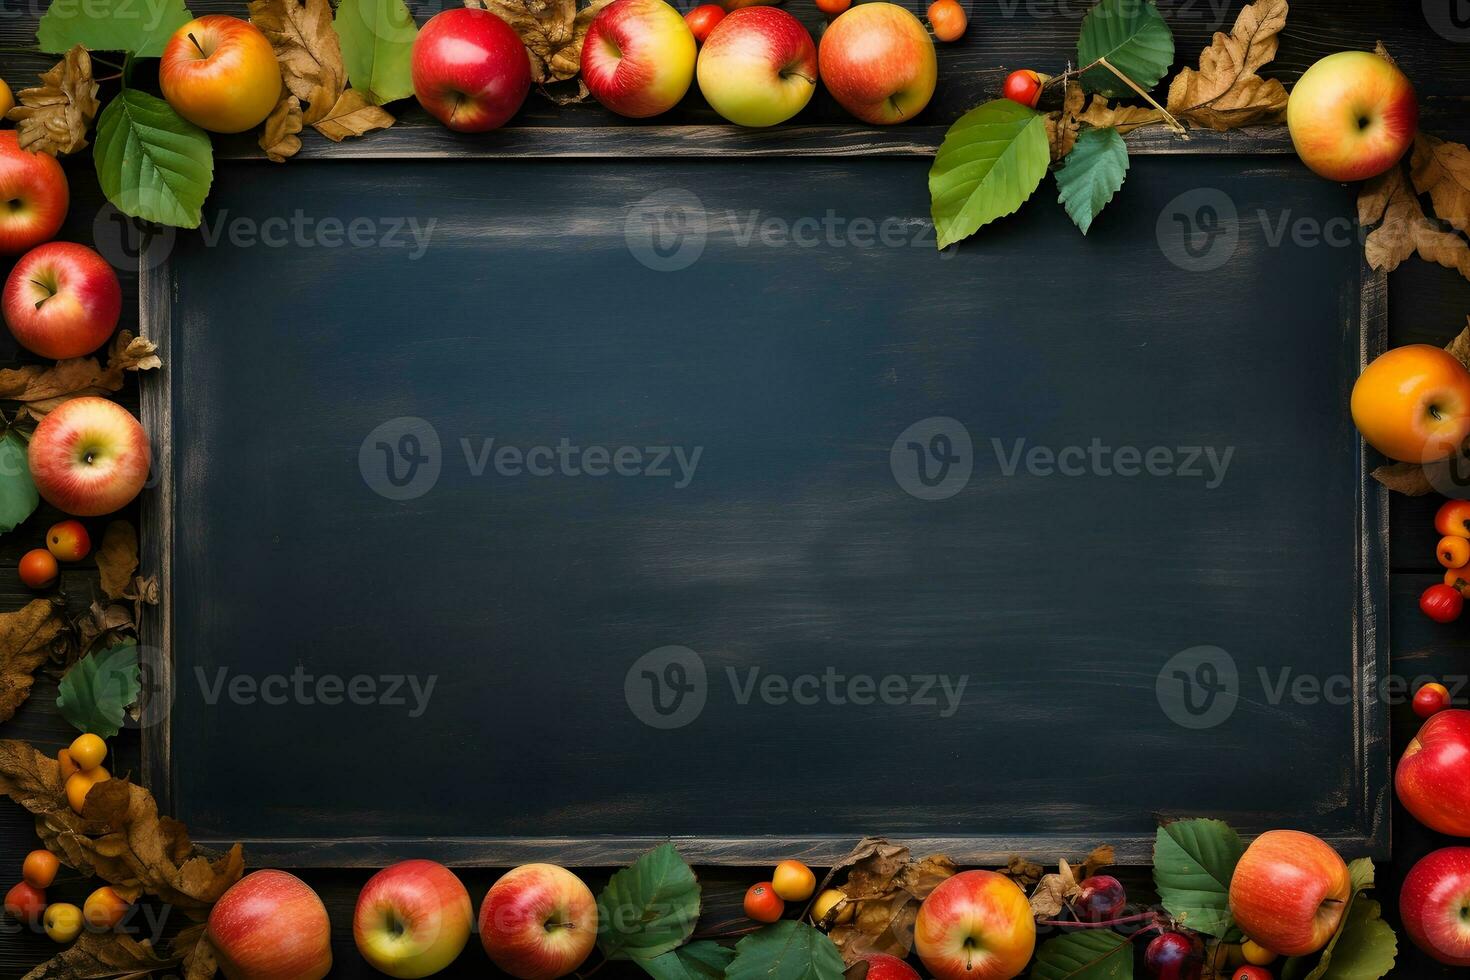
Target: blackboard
column 750, row 431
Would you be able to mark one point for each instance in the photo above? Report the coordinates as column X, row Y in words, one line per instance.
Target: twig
column 1173, row 123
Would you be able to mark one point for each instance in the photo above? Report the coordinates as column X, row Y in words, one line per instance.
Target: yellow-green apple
column 220, row 73
column 758, row 67
column 470, row 70
column 878, row 62
column 89, row 457
column 61, row 300
column 1289, row 891
column 538, row 922
column 271, row 926
column 1412, row 403
column 1433, row 778
column 976, row 925
column 34, row 195
column 638, row 57
column 1435, row 905
column 1352, row 115
column 412, row 919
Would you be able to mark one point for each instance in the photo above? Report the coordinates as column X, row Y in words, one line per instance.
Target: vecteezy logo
column 123, row 241
column 1199, row 230
column 667, row 688
column 1450, row 19
column 400, row 459
column 932, row 459
column 1199, row 687
column 666, row 230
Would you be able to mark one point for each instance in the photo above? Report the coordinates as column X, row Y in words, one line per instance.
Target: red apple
column 638, row 57
column 976, row 925
column 89, row 457
column 1433, row 778
column 34, row 193
column 271, row 926
column 758, row 67
column 26, row 902
column 538, row 922
column 878, row 62
column 62, row 300
column 470, row 70
column 702, row 20
column 220, row 73
column 1433, row 904
column 882, row 966
column 1289, row 891
column 412, row 919
column 1352, row 115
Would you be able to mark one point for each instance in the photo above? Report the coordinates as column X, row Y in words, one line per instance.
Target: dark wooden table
column 1426, row 304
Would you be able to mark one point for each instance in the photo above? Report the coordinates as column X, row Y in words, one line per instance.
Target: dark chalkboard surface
column 714, row 504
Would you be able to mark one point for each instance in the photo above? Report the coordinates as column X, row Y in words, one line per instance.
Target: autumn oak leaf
column 553, row 31
column 1442, row 170
column 306, row 46
column 29, row 637
column 1226, row 91
column 278, row 137
column 352, row 115
column 55, row 116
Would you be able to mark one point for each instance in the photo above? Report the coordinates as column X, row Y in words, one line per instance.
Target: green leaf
column 786, row 950
column 98, row 689
column 992, row 160
column 1092, row 174
column 377, row 47
column 140, row 26
column 648, row 909
column 18, row 497
column 1364, row 946
column 1089, row 954
column 703, row 960
column 1133, row 37
column 1362, row 874
column 1193, row 863
column 152, row 163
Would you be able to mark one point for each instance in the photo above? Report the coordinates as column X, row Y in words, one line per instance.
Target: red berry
column 702, row 20
column 26, row 902
column 1099, row 899
column 1174, row 956
column 1251, row 973
column 1442, row 603
column 1023, row 86
column 1431, row 699
column 762, row 903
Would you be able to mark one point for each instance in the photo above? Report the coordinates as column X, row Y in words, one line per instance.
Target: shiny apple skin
column 1433, row 777
column 33, row 196
column 1331, row 100
column 758, row 67
column 980, row 906
column 638, row 58
column 62, row 300
column 882, row 966
column 412, row 919
column 271, row 926
column 1289, row 892
column 538, row 922
column 878, row 61
column 230, row 87
column 1432, row 904
column 470, row 70
column 116, row 442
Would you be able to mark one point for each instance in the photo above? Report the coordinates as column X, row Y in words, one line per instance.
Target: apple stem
column 49, row 292
column 197, row 46
column 1173, row 123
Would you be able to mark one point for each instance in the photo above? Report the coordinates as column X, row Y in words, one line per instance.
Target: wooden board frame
column 1371, row 765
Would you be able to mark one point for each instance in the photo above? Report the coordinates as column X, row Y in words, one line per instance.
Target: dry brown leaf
column 553, row 31
column 278, row 138
column 42, row 388
column 117, row 558
column 1024, row 873
column 28, row 638
column 119, row 836
column 1390, row 202
column 1052, row 893
column 104, row 625
column 1062, row 125
column 886, row 887
column 307, row 48
column 55, row 116
column 193, row 948
column 1442, row 170
column 103, row 954
column 1225, row 92
column 353, row 115
column 1102, row 856
column 1382, row 52
column 1123, row 118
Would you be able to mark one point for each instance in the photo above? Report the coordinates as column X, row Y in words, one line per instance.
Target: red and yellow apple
column 758, row 67
column 538, row 922
column 638, row 57
column 878, row 62
column 1352, row 115
column 271, row 926
column 1433, row 778
column 1433, row 904
column 34, row 191
column 1289, row 892
column 471, row 71
column 68, row 541
column 220, row 73
column 882, row 966
column 62, row 300
column 412, row 919
column 976, row 925
column 89, row 457
column 1413, row 403
column 105, row 909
